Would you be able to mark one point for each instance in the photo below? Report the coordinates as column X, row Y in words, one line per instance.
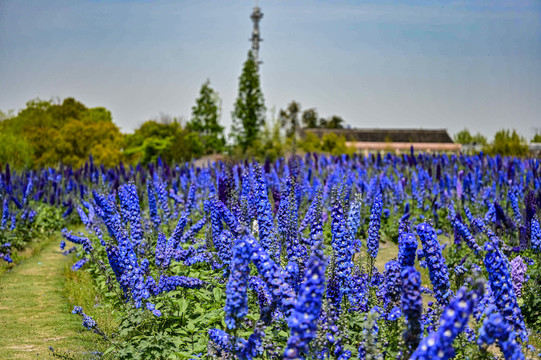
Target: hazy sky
column 429, row 64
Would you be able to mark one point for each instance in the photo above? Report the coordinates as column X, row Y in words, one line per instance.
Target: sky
column 401, row 64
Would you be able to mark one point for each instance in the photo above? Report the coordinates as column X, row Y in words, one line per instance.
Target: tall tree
column 206, row 119
column 249, row 112
column 289, row 118
column 310, row 118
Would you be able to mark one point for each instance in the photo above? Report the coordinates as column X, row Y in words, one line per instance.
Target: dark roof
column 388, row 135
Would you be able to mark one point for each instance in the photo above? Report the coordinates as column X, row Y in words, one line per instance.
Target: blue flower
column 304, row 319
column 236, row 305
column 501, row 284
column 88, row 322
column 439, row 274
column 536, row 235
column 265, row 221
column 5, row 213
column 170, row 283
column 495, row 328
column 374, row 226
column 407, row 247
column 81, row 240
column 342, row 245
column 465, row 234
column 391, row 287
column 193, row 230
column 264, row 297
column 412, row 305
column 129, row 201
column 439, row 344
column 79, row 264
column 283, row 294
column 152, row 205
column 354, row 220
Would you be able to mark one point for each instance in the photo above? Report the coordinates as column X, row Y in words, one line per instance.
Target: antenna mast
column 256, row 16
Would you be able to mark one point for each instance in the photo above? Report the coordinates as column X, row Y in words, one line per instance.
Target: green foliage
column 289, row 118
column 205, row 120
column 310, row 118
column 45, row 134
column 465, row 137
column 249, row 111
column 537, row 138
column 531, row 299
column 165, row 139
column 330, row 143
column 334, row 122
column 507, row 143
column 14, row 150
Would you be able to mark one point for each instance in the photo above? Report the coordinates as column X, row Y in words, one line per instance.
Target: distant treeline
column 47, row 133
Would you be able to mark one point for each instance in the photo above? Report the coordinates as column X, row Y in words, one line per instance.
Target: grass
column 34, row 312
column 33, row 248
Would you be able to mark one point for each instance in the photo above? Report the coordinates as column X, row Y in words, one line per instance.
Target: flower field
column 279, row 260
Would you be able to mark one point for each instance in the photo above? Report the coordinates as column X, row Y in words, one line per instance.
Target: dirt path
column 34, row 313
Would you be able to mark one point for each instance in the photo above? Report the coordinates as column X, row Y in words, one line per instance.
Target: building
column 396, row 140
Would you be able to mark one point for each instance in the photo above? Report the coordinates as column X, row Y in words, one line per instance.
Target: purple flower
column 518, row 274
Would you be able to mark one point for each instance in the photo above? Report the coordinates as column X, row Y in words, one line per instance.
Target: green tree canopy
column 310, row 118
column 165, row 139
column 465, row 137
column 206, row 120
column 509, row 143
column 289, row 118
column 49, row 133
column 249, row 111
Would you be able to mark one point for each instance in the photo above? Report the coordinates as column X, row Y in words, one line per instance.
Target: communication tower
column 256, row 16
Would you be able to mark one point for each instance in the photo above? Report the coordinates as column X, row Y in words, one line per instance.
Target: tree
column 165, row 139
column 205, row 120
column 508, row 143
column 537, row 138
column 65, row 131
column 335, row 122
column 310, row 142
column 289, row 118
column 465, row 137
column 249, row 112
column 310, row 118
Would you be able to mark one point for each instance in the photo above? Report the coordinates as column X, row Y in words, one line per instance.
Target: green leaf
column 217, row 294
